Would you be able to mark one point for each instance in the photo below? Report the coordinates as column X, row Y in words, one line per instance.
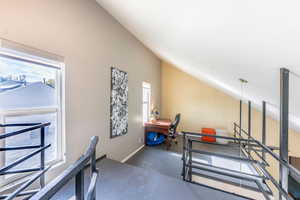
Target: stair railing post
column 42, row 138
column 183, row 155
column 241, row 111
column 284, row 127
column 249, row 126
column 79, row 185
column 234, row 131
column 264, row 136
column 190, row 159
column 2, row 144
column 93, row 169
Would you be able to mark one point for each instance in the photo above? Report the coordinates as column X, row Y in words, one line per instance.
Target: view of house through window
column 146, row 101
column 30, row 93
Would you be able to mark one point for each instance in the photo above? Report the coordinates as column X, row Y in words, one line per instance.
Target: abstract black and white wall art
column 118, row 103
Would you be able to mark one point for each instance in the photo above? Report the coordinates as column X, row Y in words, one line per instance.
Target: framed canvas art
column 118, row 103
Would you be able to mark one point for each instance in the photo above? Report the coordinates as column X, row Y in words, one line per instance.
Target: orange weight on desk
column 208, row 131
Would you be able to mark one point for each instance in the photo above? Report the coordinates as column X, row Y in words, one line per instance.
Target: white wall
column 91, row 41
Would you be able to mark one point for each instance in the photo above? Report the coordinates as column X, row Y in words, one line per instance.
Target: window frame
column 146, row 86
column 18, row 112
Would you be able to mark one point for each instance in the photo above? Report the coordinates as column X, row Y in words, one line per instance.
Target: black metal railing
column 249, row 145
column 40, row 149
column 189, row 164
column 75, row 170
column 270, row 150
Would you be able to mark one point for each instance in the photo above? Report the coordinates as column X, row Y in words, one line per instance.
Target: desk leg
column 145, row 136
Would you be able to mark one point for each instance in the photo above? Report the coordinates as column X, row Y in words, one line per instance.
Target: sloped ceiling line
column 222, row 41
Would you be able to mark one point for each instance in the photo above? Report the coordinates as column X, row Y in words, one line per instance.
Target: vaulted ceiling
column 220, row 41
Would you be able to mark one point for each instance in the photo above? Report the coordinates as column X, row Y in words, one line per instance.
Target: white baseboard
column 132, row 154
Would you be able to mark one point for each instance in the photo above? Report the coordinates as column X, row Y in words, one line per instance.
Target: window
column 146, row 101
column 30, row 91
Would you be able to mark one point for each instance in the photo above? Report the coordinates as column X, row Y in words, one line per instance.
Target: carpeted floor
column 155, row 174
column 169, row 162
column 125, row 182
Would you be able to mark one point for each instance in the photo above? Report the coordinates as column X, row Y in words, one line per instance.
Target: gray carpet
column 169, row 163
column 125, row 182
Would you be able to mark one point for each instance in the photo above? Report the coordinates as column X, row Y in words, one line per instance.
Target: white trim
column 61, row 147
column 22, row 51
column 28, row 111
column 146, row 86
column 132, row 154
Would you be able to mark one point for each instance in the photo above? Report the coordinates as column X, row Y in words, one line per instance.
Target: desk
column 159, row 126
